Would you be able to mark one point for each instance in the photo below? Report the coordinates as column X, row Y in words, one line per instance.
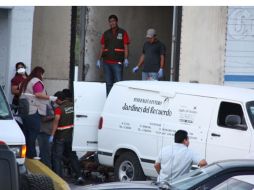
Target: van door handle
column 79, row 116
column 215, row 135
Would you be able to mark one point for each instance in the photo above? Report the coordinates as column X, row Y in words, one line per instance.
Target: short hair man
column 62, row 137
column 177, row 159
column 114, row 52
column 153, row 57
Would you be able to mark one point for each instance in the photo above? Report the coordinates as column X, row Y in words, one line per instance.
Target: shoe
column 36, row 158
column 80, row 181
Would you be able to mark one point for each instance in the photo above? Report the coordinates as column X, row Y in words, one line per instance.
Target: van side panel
column 129, row 119
column 190, row 113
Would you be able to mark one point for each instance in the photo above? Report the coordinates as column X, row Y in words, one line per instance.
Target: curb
column 37, row 167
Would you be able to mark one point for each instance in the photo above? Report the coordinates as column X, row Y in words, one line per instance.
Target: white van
column 138, row 118
column 10, row 132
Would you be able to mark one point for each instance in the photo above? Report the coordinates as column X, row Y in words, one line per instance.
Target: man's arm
column 55, row 124
column 101, row 51
column 141, row 60
column 126, row 51
column 157, row 167
column 162, row 61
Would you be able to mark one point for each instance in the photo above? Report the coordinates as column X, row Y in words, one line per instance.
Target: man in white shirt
column 176, row 160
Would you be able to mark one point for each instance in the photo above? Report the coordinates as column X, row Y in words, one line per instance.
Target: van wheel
column 36, row 182
column 128, row 168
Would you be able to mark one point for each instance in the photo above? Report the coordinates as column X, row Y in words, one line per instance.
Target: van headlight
column 19, row 151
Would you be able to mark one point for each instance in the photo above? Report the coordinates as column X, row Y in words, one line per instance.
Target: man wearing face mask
column 114, row 53
column 16, row 81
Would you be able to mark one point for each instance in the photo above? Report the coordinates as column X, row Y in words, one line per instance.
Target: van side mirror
column 234, row 122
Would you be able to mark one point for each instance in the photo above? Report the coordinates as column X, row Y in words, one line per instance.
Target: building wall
column 51, row 45
column 16, row 42
column 203, row 44
column 135, row 20
column 4, row 45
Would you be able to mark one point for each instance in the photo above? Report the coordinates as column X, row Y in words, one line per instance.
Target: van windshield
column 250, row 110
column 4, row 107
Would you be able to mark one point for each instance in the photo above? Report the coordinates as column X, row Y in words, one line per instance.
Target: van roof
column 208, row 90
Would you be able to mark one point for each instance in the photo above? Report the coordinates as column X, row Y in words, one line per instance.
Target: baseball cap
column 150, row 33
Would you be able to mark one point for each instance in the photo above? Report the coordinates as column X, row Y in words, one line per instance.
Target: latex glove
column 160, row 73
column 52, row 98
column 51, row 139
column 135, row 69
column 98, row 64
column 126, row 62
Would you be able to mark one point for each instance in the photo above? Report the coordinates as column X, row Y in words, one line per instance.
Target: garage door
column 239, row 61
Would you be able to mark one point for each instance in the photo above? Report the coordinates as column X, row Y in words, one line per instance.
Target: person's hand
column 160, row 73
column 98, row 64
column 51, row 139
column 126, row 62
column 135, row 69
column 52, row 98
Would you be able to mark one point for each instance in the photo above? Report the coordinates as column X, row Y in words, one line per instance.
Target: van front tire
column 128, row 168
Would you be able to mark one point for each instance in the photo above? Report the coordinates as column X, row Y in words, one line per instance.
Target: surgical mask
column 21, row 71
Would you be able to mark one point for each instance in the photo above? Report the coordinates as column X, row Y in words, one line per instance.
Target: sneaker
column 36, row 158
column 80, row 181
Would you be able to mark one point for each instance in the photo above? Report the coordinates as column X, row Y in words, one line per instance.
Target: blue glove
column 160, row 73
column 126, row 62
column 98, row 64
column 51, row 139
column 135, row 69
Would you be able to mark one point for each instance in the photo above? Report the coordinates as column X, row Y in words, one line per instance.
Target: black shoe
column 80, row 181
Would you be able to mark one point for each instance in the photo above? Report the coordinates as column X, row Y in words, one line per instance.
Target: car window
column 237, row 183
column 4, row 107
column 228, row 108
column 250, row 109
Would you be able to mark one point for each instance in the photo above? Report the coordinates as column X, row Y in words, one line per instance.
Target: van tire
column 36, row 182
column 128, row 161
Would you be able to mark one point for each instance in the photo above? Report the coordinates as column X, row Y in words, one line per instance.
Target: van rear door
column 89, row 99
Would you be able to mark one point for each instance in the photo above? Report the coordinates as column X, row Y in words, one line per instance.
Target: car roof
column 207, row 90
column 122, row 185
column 234, row 163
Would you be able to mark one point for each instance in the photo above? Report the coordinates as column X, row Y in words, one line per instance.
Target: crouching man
column 176, row 160
column 62, row 138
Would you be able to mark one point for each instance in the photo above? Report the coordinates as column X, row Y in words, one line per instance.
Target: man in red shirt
column 114, row 52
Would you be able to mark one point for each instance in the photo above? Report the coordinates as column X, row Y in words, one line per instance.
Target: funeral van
column 138, row 118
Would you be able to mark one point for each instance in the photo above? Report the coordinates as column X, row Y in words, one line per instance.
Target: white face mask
column 21, row 71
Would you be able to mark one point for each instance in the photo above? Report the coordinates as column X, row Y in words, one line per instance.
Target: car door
column 89, row 99
column 224, row 142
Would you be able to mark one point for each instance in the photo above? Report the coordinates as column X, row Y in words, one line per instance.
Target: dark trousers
column 31, row 124
column 45, row 148
column 112, row 73
column 62, row 147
